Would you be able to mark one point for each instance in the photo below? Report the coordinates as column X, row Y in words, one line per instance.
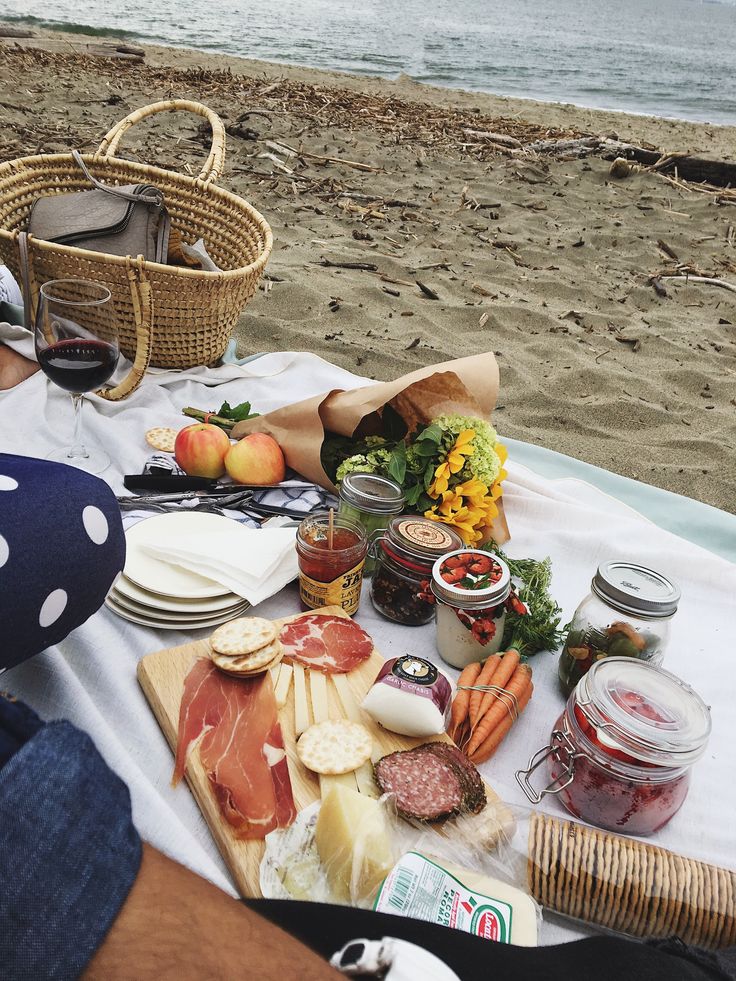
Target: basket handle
column 215, row 162
column 142, row 296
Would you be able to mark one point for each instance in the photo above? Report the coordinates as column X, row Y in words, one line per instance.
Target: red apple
column 200, row 450
column 256, row 459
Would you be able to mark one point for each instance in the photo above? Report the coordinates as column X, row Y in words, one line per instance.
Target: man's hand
column 14, row 368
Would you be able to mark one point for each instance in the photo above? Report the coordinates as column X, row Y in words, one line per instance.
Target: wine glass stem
column 78, row 450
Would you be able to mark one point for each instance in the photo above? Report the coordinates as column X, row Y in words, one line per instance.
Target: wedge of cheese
column 354, row 845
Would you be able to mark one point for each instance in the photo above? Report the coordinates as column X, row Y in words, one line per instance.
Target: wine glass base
column 96, row 461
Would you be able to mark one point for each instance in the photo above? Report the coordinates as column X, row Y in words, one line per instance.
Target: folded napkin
column 253, row 563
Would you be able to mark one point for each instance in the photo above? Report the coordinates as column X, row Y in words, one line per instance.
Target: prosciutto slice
column 241, row 748
column 326, row 643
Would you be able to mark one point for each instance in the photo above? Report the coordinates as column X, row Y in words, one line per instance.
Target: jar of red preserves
column 621, row 753
column 330, row 561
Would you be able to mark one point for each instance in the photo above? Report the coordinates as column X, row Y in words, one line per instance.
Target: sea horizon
column 662, row 61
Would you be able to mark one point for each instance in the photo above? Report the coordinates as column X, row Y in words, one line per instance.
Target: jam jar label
column 343, row 591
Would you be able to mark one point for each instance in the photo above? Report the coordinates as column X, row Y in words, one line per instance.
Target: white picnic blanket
column 90, row 678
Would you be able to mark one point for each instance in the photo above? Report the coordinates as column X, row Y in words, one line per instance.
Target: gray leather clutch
column 130, row 220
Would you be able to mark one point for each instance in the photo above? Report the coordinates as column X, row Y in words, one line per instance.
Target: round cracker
column 631, row 889
column 246, row 635
column 162, row 438
column 536, row 832
column 684, row 877
column 335, row 746
column 728, row 938
column 244, row 664
column 618, row 880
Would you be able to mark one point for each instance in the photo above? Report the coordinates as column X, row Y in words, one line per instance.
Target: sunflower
column 453, row 463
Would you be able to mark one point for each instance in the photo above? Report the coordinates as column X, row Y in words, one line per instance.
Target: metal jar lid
column 465, row 597
column 372, row 493
column 636, row 590
column 419, row 538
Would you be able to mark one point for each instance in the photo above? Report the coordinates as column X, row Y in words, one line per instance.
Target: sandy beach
column 546, row 262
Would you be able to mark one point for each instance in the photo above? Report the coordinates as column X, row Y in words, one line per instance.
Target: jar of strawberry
column 621, row 754
column 471, row 588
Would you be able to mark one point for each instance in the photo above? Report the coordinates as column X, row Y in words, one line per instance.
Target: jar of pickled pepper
column 621, row 754
column 626, row 614
column 371, row 500
column 330, row 566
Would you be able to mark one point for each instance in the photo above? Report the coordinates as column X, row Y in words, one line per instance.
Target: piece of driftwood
column 501, row 138
column 15, row 32
column 719, row 173
column 335, row 264
column 428, row 292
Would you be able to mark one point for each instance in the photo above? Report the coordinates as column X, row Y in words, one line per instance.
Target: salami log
column 431, row 782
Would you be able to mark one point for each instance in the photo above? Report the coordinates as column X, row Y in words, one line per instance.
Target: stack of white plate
column 156, row 594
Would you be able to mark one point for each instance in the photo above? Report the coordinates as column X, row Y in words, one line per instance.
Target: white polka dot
column 53, row 606
column 95, row 524
column 4, row 551
column 7, row 483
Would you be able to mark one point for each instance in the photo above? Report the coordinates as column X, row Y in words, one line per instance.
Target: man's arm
column 176, row 925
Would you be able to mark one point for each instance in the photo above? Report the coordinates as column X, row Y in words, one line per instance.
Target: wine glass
column 77, row 348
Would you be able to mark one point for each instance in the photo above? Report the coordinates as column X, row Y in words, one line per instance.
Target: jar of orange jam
column 330, row 572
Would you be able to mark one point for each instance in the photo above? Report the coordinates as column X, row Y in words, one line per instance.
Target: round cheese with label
column 410, row 696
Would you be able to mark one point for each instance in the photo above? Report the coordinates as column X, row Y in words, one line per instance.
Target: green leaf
column 432, row 433
column 426, row 448
column 238, row 413
column 413, row 494
column 397, row 464
column 429, row 475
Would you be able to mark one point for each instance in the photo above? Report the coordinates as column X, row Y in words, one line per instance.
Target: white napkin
column 254, row 563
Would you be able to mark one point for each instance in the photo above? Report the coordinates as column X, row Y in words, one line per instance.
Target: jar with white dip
column 471, row 588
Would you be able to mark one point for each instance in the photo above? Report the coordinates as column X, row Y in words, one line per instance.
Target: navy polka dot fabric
column 61, row 547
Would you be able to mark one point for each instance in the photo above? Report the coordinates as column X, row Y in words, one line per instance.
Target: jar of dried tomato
column 404, row 555
column 621, row 754
column 471, row 588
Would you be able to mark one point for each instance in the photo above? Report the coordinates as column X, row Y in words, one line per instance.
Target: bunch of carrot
column 481, row 719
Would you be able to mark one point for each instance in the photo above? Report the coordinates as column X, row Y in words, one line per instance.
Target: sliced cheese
column 318, row 692
column 274, row 672
column 347, row 699
column 328, row 780
column 366, row 781
column 354, row 844
column 301, row 707
column 283, row 684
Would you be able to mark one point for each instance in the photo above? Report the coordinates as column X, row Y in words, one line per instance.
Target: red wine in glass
column 78, row 365
column 77, row 349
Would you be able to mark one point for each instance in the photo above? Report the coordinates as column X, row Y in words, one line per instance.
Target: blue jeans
column 69, row 853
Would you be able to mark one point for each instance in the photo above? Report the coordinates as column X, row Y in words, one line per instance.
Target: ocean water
column 665, row 57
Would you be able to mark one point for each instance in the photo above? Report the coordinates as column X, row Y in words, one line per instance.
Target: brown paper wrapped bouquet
column 429, row 430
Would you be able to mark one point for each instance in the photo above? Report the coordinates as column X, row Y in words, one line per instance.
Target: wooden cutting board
column 161, row 676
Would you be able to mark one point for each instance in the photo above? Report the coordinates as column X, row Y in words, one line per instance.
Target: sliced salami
column 474, row 791
column 326, row 643
column 425, row 787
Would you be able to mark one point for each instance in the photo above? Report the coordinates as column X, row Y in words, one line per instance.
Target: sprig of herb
column 539, row 629
column 237, row 413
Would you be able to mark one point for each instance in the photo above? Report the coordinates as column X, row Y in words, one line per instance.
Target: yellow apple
column 256, row 459
column 200, row 450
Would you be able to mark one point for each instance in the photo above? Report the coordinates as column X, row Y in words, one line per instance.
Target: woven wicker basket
column 168, row 316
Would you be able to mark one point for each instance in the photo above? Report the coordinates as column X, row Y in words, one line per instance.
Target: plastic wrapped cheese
column 410, row 696
column 352, row 838
column 428, row 888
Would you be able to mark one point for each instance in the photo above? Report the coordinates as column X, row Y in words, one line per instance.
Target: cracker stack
column 629, row 886
column 246, row 647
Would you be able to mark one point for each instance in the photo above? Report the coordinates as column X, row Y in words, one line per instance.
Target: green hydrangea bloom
column 484, row 464
column 375, row 461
